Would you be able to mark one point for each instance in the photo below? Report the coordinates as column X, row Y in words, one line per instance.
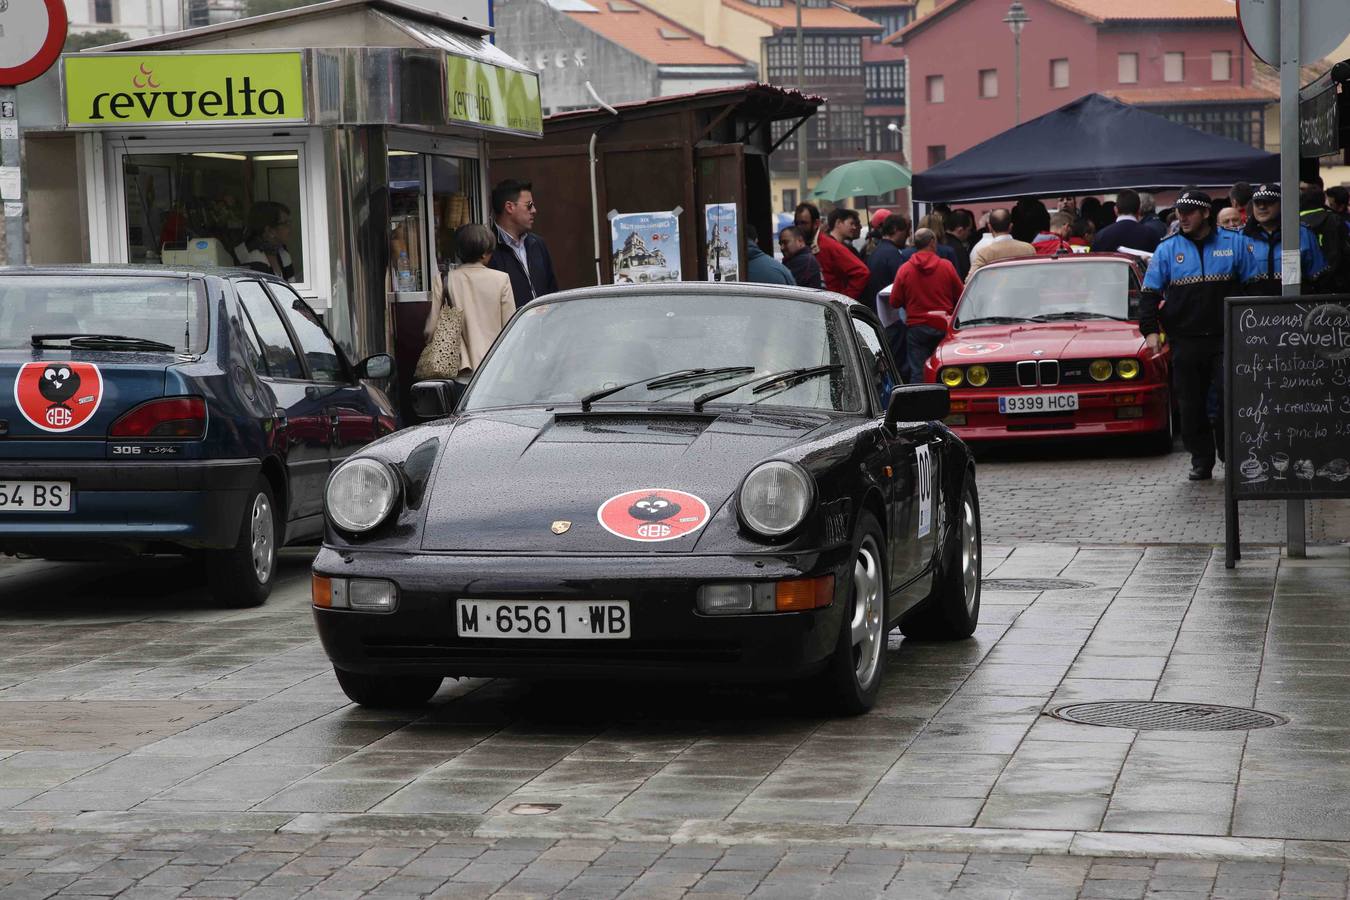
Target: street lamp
column 1017, row 19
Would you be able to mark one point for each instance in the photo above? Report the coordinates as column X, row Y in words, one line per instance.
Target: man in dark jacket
column 760, row 266
column 1127, row 230
column 1193, row 271
column 519, row 253
column 799, row 259
column 884, row 263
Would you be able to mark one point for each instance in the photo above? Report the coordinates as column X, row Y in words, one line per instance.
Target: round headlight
column 1100, row 370
column 1128, row 368
column 776, row 497
column 361, row 494
column 951, row 377
column 978, row 376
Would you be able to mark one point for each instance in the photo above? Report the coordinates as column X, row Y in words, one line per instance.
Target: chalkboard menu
column 1287, row 407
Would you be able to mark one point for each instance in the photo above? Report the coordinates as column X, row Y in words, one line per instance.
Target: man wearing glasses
column 520, row 254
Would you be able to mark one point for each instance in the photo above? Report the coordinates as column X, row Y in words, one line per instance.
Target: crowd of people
column 1198, row 252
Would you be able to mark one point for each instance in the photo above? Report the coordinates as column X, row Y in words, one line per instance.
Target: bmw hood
column 1059, row 340
column 617, row 482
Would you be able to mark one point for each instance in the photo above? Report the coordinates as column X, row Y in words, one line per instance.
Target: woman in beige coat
column 484, row 294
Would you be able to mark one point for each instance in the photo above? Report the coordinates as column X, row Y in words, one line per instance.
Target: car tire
column 1160, row 443
column 858, row 664
column 388, row 691
column 953, row 610
column 242, row 575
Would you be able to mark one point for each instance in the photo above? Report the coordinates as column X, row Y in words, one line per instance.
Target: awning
column 1093, row 145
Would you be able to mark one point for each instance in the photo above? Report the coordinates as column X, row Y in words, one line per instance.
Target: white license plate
column 34, row 496
column 1037, row 403
column 565, row 620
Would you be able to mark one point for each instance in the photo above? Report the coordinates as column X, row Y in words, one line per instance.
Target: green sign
column 111, row 90
column 483, row 94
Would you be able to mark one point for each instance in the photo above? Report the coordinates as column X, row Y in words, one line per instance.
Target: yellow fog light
column 1100, row 370
column 951, row 377
column 978, row 376
column 1128, row 368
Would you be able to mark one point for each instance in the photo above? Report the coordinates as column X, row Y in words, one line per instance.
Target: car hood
column 1058, row 340
column 507, row 477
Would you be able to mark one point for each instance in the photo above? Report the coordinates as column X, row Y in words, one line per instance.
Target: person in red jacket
column 926, row 288
column 844, row 272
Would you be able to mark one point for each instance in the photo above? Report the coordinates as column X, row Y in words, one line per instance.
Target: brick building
column 1182, row 59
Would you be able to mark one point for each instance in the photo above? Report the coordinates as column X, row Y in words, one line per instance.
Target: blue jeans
column 922, row 341
column 899, row 347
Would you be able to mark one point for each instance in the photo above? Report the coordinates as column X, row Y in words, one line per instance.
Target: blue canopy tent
column 1093, row 145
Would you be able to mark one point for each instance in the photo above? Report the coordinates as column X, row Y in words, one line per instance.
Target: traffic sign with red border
column 34, row 32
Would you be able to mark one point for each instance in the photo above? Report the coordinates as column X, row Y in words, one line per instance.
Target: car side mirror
column 381, row 365
column 436, row 399
column 918, row 403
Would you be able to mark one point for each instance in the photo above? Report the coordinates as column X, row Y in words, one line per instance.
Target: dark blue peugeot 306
column 172, row 411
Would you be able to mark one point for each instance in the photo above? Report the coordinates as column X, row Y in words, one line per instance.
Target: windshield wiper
column 1074, row 316
column 990, row 320
column 668, row 379
column 768, row 381
column 81, row 341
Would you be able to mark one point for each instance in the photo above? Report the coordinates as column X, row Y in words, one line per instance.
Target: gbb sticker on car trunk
column 652, row 514
column 59, row 396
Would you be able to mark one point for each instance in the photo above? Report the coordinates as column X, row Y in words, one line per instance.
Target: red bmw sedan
column 1049, row 346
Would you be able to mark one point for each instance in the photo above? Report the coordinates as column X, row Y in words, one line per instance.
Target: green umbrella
column 862, row 178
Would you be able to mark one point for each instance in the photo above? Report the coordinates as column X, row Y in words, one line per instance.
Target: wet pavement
column 131, row 704
column 153, row 746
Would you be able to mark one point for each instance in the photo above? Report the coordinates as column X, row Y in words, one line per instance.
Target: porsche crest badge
column 561, row 526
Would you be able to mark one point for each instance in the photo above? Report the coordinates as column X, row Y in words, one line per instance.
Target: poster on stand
column 645, row 247
column 723, row 242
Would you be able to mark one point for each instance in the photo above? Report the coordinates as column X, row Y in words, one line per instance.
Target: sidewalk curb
column 1119, row 845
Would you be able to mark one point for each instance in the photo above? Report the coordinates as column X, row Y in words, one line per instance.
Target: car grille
column 658, row 654
column 1036, row 373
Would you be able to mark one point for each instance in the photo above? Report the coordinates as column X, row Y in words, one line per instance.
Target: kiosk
column 342, row 142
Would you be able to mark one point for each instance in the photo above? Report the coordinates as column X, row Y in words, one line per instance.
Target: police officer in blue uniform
column 1190, row 275
column 1259, row 243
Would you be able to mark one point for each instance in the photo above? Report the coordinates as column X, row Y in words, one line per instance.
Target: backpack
column 1334, row 239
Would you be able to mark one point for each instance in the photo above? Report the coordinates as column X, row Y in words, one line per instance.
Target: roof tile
column 652, row 36
column 831, row 18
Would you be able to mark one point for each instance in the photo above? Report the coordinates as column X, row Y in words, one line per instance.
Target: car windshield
column 647, row 343
column 128, row 312
column 1053, row 291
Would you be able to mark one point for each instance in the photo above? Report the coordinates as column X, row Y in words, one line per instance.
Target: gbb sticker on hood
column 653, row 514
column 58, row 396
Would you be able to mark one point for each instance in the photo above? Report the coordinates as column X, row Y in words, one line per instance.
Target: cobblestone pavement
column 280, row 867
column 128, row 704
column 1090, row 493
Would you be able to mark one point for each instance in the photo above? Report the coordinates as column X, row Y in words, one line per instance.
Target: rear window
column 172, row 311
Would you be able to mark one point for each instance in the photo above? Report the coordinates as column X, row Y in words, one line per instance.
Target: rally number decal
column 925, row 466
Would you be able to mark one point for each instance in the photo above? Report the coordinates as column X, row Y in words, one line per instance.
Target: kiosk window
column 279, row 354
column 325, row 363
column 223, row 208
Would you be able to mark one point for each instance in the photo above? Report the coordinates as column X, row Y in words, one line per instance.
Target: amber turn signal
column 321, row 591
column 804, row 593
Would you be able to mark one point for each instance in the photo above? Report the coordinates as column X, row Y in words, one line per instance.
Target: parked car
column 676, row 481
column 172, row 410
column 1049, row 347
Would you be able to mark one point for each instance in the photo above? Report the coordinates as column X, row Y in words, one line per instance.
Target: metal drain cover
column 1154, row 716
column 1034, row 584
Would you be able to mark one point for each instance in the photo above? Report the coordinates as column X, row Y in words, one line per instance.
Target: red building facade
column 1183, row 59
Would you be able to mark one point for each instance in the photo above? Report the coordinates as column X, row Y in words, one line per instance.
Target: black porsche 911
column 681, row 481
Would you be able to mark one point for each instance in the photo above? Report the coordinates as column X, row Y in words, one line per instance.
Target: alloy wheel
column 970, row 553
column 866, row 624
column 262, row 538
